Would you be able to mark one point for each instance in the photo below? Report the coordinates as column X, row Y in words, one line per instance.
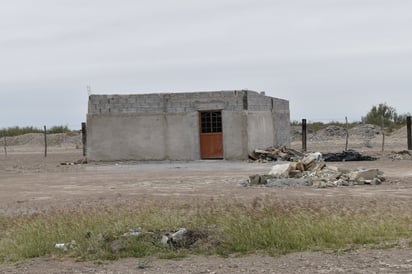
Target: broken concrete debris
column 66, row 246
column 78, row 162
column 174, row 238
column 401, row 155
column 182, row 238
column 274, row 154
column 310, row 171
column 280, row 171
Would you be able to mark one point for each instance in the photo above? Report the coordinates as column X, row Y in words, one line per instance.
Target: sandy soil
column 30, row 183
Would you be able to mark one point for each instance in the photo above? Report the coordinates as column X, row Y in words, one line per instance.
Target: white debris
column 280, row 171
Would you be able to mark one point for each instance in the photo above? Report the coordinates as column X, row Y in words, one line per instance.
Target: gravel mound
column 337, row 132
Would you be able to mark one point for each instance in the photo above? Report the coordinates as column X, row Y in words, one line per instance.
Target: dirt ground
column 30, row 183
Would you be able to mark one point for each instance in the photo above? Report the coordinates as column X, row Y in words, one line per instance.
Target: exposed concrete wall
column 281, row 121
column 143, row 137
column 260, row 130
column 235, row 135
column 126, row 137
column 182, row 136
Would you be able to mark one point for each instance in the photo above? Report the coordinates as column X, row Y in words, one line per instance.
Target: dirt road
column 30, row 183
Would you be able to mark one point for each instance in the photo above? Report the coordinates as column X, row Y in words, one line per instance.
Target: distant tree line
column 378, row 115
column 386, row 115
column 15, row 131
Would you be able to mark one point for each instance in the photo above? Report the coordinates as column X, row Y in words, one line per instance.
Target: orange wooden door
column 211, row 137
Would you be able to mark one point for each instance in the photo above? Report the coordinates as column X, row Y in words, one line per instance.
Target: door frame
column 220, row 133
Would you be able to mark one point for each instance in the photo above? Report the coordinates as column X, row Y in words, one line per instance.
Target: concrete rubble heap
column 401, row 155
column 311, row 170
column 275, row 154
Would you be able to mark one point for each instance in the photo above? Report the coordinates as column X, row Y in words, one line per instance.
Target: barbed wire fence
column 66, row 130
column 309, row 128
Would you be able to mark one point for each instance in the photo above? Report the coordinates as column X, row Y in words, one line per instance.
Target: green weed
column 224, row 229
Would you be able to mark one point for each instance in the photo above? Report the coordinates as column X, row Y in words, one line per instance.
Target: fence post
column 304, row 139
column 347, row 133
column 409, row 132
column 5, row 143
column 84, row 138
column 45, row 141
column 383, row 133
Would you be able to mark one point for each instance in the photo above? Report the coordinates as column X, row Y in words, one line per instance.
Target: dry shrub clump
column 266, row 226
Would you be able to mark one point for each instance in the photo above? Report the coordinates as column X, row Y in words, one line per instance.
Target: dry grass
column 262, row 226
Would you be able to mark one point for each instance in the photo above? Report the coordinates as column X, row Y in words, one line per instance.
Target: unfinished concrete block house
column 184, row 126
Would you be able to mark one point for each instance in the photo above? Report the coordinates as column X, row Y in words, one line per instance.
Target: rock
column 254, row 179
column 364, row 174
column 376, row 181
column 342, row 182
column 184, row 238
column 66, row 246
column 319, row 183
column 280, row 171
column 259, row 179
column 133, row 232
column 178, row 235
column 295, row 174
column 312, row 172
column 331, row 184
column 164, row 240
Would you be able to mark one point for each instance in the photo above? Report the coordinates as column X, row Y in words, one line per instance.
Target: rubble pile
column 274, row 154
column 401, row 155
column 312, row 171
column 365, row 131
column 117, row 242
column 332, row 131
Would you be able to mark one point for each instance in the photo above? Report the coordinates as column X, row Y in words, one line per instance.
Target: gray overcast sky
column 330, row 58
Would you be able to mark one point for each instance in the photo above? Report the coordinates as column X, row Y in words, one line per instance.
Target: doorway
column 211, row 136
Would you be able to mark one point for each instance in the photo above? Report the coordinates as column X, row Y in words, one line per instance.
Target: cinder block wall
column 166, row 125
column 167, row 102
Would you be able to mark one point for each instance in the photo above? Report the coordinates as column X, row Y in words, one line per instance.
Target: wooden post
column 45, row 141
column 304, row 146
column 347, row 133
column 5, row 143
column 383, row 133
column 84, row 138
column 409, row 132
